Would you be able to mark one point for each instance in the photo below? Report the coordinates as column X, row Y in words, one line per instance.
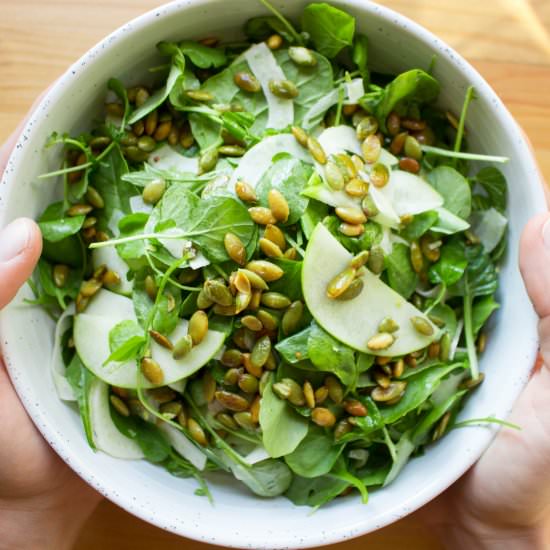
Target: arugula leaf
column 403, row 451
column 401, row 275
column 55, row 226
column 289, row 176
column 411, row 87
column 420, row 224
column 493, row 183
column 268, row 478
column 202, row 56
column 360, row 55
column 454, row 189
column 329, row 28
column 330, row 355
column 481, row 311
column 315, row 455
column 282, row 427
column 481, row 277
column 315, row 491
column 451, row 265
column 125, row 341
column 290, row 283
column 295, row 348
column 80, row 378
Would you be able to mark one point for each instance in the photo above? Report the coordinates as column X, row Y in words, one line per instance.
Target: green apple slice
column 355, row 321
column 106, row 436
column 91, row 336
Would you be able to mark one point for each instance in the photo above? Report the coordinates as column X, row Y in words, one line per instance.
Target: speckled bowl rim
column 195, row 531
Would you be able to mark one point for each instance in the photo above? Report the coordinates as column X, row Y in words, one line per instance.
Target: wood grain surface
column 508, row 41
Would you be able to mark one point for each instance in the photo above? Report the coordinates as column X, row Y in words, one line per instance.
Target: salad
column 272, row 261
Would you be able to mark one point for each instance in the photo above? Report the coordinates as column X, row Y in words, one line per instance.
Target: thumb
column 534, row 264
column 20, row 247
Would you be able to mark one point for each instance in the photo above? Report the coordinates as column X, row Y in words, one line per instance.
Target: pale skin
column 501, row 503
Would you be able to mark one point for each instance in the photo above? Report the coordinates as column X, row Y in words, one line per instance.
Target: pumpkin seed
column 203, row 302
column 260, row 352
column 371, row 148
column 254, row 370
column 245, row 192
column 323, row 417
column 182, row 418
column 244, row 420
column 252, row 323
column 248, row 383
column 278, row 205
column 302, row 56
column 227, row 311
column 346, row 166
column 412, row 148
column 255, row 300
column 271, row 363
column 291, row 254
column 353, row 290
column 335, row 389
column 135, row 154
column 242, row 301
column 290, row 390
column 231, row 150
column 341, row 282
column 262, row 215
column 369, row 207
column 60, row 274
column 100, row 142
column 111, row 278
column 388, row 325
column 334, row 176
column 381, row 341
column 231, row 377
column 226, row 420
column 355, row 407
column 208, row 387
column 398, row 368
column 393, row 123
column 81, row 303
column 170, row 302
column 284, row 89
column 349, row 110
column 79, row 210
column 235, row 249
column 398, row 142
column 409, row 165
column 231, row 358
column 119, row 405
column 292, row 317
column 198, row 327
column 188, row 275
column 441, row 427
column 90, row 288
column 94, row 198
column 422, row 326
column 101, row 236
column 367, row 127
column 379, row 175
column 350, row 215
column 395, row 390
column 161, row 340
column 300, row 135
column 316, row 150
column 274, row 42
column 275, row 300
column 275, row 235
column 199, row 95
column 216, row 291
column 433, row 350
column 89, row 234
column 231, row 401
column 153, row 191
column 196, row 432
column 146, row 144
column 152, row 371
column 413, row 124
column 269, row 321
column 309, row 394
column 268, row 271
column 255, row 410
column 430, row 247
column 351, row 230
column 342, row 428
column 208, row 160
column 151, row 122
column 382, row 379
column 247, row 82
column 182, row 347
column 472, row 383
column 481, row 342
column 445, row 347
column 356, row 188
column 321, row 395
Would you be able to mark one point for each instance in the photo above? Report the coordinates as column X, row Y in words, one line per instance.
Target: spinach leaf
column 452, row 263
column 289, row 176
column 401, row 275
column 329, row 28
column 493, row 183
column 125, row 341
column 454, row 188
column 360, row 55
column 282, row 427
column 420, row 224
column 481, row 311
column 80, row 378
column 419, row 388
column 134, row 252
column 411, row 87
column 69, row 251
column 295, row 348
column 480, row 278
column 446, row 314
column 268, row 478
column 330, row 355
column 315, row 491
column 403, row 451
column 116, row 193
column 55, row 226
column 315, row 455
column 290, row 284
column 372, row 235
column 202, row 56
column 313, row 214
column 48, row 288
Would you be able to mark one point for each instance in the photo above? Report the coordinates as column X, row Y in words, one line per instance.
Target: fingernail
column 14, row 239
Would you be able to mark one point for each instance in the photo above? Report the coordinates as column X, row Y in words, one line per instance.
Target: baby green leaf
column 55, row 226
column 401, row 275
column 454, row 189
column 202, row 56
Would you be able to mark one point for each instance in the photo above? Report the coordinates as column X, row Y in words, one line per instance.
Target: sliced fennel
column 489, row 227
column 57, row 367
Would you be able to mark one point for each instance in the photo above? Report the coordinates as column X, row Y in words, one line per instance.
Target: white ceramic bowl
column 237, row 518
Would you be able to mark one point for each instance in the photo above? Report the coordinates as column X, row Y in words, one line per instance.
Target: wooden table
column 508, row 41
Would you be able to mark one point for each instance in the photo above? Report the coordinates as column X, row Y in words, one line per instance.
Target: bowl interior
column 237, row 518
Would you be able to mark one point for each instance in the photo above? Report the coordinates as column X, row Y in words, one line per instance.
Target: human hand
column 43, row 503
column 504, row 500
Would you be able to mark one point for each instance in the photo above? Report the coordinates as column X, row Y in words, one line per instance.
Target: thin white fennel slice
column 57, row 366
column 167, row 158
column 355, row 90
column 340, row 139
column 183, row 446
column 448, row 223
column 106, row 435
column 489, row 226
column 259, row 158
column 319, row 108
column 137, row 205
column 264, row 66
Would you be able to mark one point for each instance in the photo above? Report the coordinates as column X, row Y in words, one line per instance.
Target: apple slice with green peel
column 105, row 434
column 355, row 321
column 108, row 256
column 91, row 336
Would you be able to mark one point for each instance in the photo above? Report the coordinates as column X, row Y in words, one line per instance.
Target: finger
column 20, row 247
column 534, row 262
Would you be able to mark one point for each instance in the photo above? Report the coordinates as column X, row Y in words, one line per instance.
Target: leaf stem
column 486, row 420
column 469, row 336
column 470, row 94
column 461, row 155
column 284, row 21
